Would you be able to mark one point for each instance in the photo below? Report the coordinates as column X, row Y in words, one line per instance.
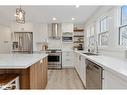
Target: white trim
column 119, row 26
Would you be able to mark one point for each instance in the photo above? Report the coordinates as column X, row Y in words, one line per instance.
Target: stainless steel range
column 54, row 58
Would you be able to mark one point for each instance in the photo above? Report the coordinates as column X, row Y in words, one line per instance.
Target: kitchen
column 71, row 49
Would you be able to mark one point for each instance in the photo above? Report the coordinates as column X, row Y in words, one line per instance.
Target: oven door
column 54, row 61
column 53, row 58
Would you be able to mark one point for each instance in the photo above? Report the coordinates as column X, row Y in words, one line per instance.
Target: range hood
column 55, row 31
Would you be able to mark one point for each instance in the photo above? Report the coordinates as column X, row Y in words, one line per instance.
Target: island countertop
column 19, row 61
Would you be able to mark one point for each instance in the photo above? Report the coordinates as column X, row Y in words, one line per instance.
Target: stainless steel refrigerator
column 23, row 42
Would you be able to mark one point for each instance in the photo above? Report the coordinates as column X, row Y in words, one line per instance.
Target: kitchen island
column 31, row 68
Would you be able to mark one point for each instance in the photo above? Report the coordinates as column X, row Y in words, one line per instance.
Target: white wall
column 5, row 39
column 113, row 49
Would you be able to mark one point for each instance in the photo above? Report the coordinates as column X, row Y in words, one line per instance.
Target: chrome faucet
column 97, row 51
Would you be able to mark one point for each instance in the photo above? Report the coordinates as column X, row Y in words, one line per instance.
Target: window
column 123, row 35
column 103, row 31
column 90, row 36
column 123, row 27
column 124, row 15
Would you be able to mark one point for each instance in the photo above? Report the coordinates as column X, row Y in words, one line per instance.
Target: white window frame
column 103, row 33
column 122, row 28
column 91, row 37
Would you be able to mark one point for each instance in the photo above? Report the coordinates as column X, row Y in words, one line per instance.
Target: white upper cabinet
column 67, row 27
column 27, row 27
column 5, row 39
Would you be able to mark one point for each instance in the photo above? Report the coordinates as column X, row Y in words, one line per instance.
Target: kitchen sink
column 89, row 53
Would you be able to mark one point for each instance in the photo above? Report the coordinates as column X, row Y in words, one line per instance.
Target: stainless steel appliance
column 93, row 75
column 23, row 42
column 54, row 30
column 67, row 37
column 54, row 58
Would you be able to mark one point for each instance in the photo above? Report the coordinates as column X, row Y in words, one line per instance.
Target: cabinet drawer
column 67, row 63
column 67, row 60
column 66, row 53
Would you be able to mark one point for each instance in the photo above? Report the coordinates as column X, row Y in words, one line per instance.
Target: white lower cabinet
column 83, row 70
column 113, row 81
column 80, row 67
column 67, row 59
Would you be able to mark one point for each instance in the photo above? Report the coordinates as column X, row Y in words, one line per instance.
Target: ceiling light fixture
column 77, row 6
column 20, row 15
column 54, row 18
column 72, row 18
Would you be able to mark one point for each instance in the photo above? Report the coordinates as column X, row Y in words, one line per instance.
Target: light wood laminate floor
column 64, row 79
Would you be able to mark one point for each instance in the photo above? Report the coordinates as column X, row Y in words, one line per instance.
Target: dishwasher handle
column 93, row 67
column 96, row 67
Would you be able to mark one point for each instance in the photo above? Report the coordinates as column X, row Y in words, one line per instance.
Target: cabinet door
column 80, row 67
column 67, row 27
column 67, row 59
column 83, row 70
column 45, row 72
column 38, row 74
column 5, row 39
column 35, row 74
column 76, row 61
column 23, row 27
column 79, row 64
column 112, row 81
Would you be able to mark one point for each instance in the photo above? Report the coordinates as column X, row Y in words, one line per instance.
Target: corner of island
column 31, row 68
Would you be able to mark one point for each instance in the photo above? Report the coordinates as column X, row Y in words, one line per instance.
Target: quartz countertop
column 19, row 61
column 115, row 65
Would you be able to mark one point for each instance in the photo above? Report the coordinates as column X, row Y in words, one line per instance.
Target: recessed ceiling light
column 54, row 18
column 72, row 18
column 77, row 6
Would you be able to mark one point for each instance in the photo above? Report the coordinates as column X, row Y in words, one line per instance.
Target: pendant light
column 20, row 15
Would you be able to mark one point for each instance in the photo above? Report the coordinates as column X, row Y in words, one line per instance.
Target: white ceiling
column 44, row 14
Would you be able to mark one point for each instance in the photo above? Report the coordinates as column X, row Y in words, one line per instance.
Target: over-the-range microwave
column 67, row 37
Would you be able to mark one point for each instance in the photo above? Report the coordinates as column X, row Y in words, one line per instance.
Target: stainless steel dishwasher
column 93, row 75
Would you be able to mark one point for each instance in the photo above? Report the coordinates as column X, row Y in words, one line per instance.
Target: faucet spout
column 97, row 51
